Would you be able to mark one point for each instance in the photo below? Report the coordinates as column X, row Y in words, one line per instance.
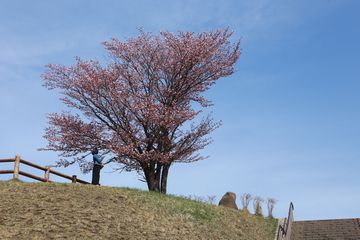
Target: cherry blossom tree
column 136, row 107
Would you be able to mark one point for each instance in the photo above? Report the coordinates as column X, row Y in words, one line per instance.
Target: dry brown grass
column 69, row 211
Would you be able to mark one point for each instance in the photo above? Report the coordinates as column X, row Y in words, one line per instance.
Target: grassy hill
column 69, row 211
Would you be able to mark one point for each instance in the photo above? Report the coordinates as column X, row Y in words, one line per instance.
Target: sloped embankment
column 69, row 211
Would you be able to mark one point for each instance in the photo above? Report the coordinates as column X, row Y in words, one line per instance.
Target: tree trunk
column 156, row 177
column 164, row 178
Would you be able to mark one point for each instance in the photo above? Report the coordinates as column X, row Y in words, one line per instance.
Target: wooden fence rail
column 47, row 171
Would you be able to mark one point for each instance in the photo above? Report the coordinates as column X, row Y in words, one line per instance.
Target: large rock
column 229, row 200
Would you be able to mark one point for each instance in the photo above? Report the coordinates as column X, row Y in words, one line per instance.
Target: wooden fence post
column 73, row 179
column 47, row 174
column 16, row 167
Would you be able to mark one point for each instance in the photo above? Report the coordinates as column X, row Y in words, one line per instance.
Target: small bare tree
column 245, row 201
column 257, row 205
column 210, row 199
column 270, row 205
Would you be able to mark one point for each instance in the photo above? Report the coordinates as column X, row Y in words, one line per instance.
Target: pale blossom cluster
column 135, row 106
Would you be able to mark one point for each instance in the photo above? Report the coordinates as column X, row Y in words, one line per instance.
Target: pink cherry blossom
column 135, row 107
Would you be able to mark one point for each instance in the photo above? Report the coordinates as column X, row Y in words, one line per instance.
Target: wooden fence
column 47, row 171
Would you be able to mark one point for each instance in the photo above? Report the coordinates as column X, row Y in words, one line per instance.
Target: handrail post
column 16, row 167
column 290, row 221
column 47, row 174
column 73, row 179
column 286, row 227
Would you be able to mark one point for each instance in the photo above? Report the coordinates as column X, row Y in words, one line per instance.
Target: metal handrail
column 286, row 229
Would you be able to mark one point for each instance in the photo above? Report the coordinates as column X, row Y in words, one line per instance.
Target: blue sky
column 290, row 112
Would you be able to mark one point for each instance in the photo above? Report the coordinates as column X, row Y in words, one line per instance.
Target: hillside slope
column 69, row 211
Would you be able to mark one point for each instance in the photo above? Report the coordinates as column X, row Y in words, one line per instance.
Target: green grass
column 69, row 211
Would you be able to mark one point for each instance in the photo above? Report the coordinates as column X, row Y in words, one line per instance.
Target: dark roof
column 337, row 229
